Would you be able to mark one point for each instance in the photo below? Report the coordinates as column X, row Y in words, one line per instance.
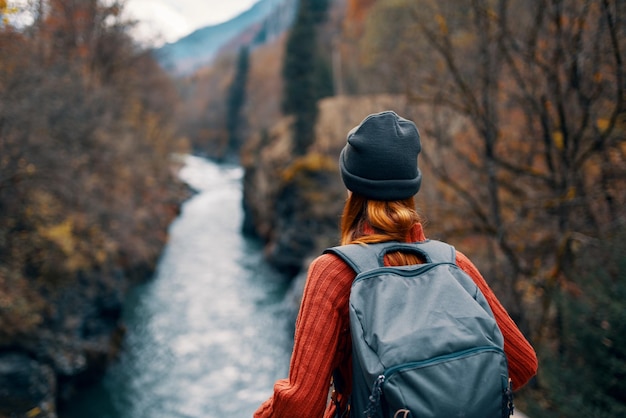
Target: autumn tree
column 86, row 195
column 525, row 117
column 521, row 104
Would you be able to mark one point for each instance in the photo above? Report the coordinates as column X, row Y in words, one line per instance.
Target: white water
column 208, row 336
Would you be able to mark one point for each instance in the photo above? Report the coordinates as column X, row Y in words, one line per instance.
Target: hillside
column 256, row 25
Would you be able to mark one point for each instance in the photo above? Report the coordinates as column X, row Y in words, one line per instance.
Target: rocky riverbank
column 71, row 346
column 59, row 333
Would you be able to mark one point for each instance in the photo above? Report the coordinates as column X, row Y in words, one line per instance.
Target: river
column 208, row 335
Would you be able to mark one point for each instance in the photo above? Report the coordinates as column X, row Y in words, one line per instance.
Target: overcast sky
column 168, row 20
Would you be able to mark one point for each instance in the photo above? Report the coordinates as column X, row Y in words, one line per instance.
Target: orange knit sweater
column 322, row 340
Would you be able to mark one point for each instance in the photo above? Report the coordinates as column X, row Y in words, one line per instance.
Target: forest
column 522, row 109
column 86, row 192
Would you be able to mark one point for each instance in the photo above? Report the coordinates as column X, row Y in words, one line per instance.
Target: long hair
column 387, row 221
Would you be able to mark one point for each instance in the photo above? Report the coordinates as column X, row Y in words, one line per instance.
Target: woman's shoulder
column 331, row 277
column 330, row 268
column 331, row 263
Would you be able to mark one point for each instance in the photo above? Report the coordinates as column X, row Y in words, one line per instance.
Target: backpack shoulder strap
column 364, row 257
column 436, row 251
column 360, row 257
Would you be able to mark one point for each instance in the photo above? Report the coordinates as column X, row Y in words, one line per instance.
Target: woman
column 379, row 168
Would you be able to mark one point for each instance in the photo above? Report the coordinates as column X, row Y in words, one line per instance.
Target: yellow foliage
column 309, row 162
column 5, row 11
column 61, row 234
column 557, row 137
column 101, row 256
column 603, row 124
column 35, row 412
column 492, row 15
column 64, row 236
column 31, row 169
column 443, row 25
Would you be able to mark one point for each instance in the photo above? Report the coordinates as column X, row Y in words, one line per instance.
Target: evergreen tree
column 236, row 99
column 318, row 9
column 586, row 372
column 302, row 68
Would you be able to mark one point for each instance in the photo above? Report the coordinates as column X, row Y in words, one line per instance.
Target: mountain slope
column 201, row 46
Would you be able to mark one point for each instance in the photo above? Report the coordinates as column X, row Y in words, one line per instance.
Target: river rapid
column 209, row 334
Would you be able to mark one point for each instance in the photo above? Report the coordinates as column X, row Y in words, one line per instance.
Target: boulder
column 27, row 387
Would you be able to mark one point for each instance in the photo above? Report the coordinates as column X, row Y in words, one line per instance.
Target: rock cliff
column 292, row 203
column 66, row 333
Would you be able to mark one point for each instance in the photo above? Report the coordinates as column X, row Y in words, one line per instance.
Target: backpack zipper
column 377, row 387
column 405, row 272
column 423, row 363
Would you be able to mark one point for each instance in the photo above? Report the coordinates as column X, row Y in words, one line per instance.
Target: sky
column 163, row 21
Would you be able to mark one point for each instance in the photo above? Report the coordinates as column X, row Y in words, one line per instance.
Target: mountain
column 260, row 23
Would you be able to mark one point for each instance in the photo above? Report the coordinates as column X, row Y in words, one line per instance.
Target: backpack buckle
column 374, row 398
column 509, row 407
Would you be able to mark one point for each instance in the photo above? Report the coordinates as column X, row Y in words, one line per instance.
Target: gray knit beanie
column 379, row 161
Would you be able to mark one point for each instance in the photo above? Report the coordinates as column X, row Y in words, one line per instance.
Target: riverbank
column 207, row 336
column 63, row 288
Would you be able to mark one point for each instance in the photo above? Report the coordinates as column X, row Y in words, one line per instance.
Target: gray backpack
column 425, row 342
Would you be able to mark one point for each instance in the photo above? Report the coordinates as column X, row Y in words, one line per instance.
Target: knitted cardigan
column 322, row 341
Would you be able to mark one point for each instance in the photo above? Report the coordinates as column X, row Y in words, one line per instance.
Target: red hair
column 369, row 221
